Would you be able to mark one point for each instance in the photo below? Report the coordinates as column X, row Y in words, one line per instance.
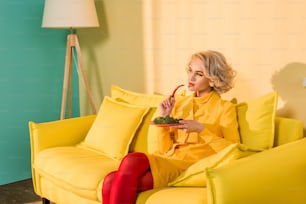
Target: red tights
column 133, row 176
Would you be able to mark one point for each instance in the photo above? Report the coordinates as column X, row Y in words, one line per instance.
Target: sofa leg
column 45, row 201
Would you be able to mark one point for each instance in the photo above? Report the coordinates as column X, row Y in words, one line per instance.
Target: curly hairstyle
column 217, row 70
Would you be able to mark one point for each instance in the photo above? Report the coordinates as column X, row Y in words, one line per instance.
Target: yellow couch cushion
column 132, row 97
column 75, row 168
column 175, row 195
column 195, row 174
column 114, row 127
column 256, row 120
column 139, row 142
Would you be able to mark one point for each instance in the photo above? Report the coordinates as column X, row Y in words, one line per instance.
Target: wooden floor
column 20, row 192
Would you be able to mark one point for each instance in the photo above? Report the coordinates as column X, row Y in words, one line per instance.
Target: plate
column 165, row 124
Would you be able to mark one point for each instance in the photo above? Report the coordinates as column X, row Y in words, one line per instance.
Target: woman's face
column 197, row 81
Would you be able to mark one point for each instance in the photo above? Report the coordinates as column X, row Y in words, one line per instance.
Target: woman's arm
column 224, row 130
column 159, row 140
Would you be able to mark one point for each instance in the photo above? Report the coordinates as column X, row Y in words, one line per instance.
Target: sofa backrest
column 286, row 129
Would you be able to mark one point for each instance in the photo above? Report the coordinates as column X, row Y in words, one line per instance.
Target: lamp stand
column 72, row 41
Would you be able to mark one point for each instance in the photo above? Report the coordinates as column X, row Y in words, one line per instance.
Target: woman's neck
column 203, row 93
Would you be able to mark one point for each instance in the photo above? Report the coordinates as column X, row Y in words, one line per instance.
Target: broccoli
column 166, row 120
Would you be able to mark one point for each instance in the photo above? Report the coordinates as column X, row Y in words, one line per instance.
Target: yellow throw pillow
column 114, row 127
column 195, row 175
column 131, row 97
column 139, row 142
column 256, row 120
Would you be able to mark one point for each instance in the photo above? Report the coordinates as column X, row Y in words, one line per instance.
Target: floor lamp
column 71, row 14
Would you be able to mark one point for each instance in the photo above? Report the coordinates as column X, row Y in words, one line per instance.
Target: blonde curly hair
column 217, row 70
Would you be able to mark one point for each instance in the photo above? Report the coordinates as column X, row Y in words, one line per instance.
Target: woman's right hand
column 166, row 106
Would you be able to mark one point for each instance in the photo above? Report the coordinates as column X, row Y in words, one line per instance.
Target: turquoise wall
column 31, row 74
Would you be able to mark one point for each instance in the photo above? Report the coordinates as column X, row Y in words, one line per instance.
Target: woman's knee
column 135, row 160
column 108, row 179
column 145, row 182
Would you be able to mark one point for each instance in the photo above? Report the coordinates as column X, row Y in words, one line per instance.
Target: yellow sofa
column 71, row 157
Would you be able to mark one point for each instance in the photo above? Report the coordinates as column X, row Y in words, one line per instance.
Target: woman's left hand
column 190, row 126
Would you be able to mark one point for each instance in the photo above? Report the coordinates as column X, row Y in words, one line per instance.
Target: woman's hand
column 190, row 126
column 166, row 106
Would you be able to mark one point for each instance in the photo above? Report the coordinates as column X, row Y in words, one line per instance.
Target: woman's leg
column 145, row 182
column 125, row 183
column 107, row 186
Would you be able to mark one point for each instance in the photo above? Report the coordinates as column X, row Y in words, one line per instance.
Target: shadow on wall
column 288, row 82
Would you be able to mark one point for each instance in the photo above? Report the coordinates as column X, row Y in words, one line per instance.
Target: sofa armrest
column 273, row 176
column 59, row 133
column 54, row 134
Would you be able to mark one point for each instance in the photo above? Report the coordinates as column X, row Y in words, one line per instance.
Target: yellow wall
column 265, row 41
column 113, row 53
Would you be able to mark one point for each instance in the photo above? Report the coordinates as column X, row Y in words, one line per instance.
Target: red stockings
column 133, row 176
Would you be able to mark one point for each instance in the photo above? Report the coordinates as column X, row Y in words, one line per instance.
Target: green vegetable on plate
column 166, row 120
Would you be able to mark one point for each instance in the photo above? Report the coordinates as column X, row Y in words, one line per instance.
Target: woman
column 209, row 124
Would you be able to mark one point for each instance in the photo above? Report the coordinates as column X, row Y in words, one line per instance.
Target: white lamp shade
column 70, row 14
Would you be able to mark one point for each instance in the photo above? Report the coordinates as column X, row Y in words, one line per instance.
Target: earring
column 211, row 84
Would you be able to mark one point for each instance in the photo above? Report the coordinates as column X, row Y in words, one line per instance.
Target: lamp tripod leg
column 72, row 41
column 84, row 75
column 67, row 78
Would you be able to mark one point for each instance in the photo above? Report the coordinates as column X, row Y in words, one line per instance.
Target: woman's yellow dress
column 177, row 150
